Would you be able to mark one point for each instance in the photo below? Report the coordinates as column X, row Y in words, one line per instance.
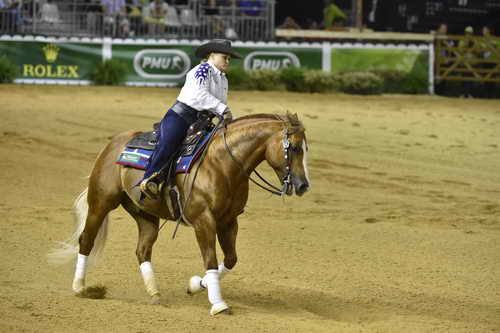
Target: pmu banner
column 155, row 63
column 52, row 61
column 168, row 63
column 276, row 58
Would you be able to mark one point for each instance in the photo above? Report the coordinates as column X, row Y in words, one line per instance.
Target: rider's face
column 220, row 60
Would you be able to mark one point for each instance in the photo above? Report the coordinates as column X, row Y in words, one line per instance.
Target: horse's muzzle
column 300, row 186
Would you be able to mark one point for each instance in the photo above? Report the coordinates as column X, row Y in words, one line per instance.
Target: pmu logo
column 161, row 64
column 270, row 60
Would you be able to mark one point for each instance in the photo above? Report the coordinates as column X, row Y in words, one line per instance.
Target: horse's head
column 286, row 153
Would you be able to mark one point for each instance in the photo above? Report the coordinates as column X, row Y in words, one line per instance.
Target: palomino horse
column 217, row 196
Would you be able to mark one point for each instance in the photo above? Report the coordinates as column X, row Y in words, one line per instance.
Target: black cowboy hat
column 216, row 46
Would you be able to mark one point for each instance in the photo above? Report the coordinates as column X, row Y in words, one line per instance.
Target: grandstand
column 252, row 20
column 247, row 20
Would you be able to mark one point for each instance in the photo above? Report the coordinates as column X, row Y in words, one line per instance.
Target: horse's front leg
column 205, row 230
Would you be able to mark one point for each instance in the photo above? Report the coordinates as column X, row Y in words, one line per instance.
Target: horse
column 212, row 198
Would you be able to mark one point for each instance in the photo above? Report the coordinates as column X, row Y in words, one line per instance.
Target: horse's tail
column 67, row 251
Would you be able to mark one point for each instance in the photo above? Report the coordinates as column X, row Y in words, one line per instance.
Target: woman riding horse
column 205, row 88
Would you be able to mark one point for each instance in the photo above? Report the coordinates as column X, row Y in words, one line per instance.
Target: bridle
column 287, row 178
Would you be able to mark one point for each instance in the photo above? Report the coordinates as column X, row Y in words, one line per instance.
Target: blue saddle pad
column 138, row 158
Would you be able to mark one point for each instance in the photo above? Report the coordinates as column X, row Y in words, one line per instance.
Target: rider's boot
column 151, row 186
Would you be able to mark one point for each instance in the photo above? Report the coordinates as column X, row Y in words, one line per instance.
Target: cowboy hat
column 216, row 46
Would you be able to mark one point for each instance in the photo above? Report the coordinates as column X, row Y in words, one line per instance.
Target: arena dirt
column 399, row 233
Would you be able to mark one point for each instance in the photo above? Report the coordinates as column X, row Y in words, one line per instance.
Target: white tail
column 68, row 250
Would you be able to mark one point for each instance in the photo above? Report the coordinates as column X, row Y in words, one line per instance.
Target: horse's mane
column 291, row 120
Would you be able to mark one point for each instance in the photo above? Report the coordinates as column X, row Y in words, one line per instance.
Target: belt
column 189, row 114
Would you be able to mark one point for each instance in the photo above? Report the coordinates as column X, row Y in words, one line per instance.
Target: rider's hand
column 228, row 116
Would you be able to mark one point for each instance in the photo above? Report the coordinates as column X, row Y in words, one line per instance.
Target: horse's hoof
column 220, row 308
column 155, row 299
column 195, row 285
column 78, row 285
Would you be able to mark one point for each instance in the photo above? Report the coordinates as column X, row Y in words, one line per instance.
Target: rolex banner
column 52, row 62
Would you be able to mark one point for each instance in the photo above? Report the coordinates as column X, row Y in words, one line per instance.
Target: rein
column 270, row 187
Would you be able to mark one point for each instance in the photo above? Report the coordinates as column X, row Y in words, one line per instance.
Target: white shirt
column 205, row 89
column 149, row 11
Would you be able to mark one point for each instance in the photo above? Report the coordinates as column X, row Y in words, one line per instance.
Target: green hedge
column 110, row 72
column 8, row 70
column 316, row 81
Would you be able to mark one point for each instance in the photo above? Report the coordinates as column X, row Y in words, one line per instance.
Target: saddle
column 140, row 148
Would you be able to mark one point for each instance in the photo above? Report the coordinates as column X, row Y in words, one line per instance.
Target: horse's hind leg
column 97, row 215
column 104, row 194
column 148, row 233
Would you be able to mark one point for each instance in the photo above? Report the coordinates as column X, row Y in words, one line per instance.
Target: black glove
column 228, row 116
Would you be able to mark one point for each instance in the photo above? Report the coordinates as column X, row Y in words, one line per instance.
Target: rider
column 205, row 88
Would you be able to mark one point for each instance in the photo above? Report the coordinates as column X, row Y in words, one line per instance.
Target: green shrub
column 238, row 78
column 363, row 83
column 8, row 70
column 293, row 78
column 416, row 82
column 320, row 82
column 264, row 79
column 110, row 72
column 393, row 80
column 413, row 84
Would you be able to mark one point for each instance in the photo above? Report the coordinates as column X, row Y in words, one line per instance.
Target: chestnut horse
column 217, row 189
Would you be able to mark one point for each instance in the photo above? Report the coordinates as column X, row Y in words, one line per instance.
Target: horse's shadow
column 292, row 301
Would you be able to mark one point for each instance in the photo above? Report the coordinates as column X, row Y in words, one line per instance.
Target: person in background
column 489, row 51
column 442, row 86
column 205, row 89
column 155, row 16
column 466, row 45
column 115, row 16
column 13, row 16
column 250, row 7
column 333, row 16
column 289, row 23
column 215, row 23
column 134, row 13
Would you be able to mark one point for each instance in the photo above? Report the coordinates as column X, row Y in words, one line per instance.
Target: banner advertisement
column 168, row 64
column 165, row 63
column 52, row 60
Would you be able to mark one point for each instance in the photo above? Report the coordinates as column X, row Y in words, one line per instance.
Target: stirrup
column 150, row 188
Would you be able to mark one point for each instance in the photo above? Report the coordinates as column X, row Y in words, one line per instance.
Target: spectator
column 215, row 24
column 466, row 46
column 312, row 24
column 332, row 15
column 442, row 86
column 289, row 23
column 115, row 16
column 250, row 7
column 155, row 16
column 13, row 18
column 93, row 9
column 489, row 48
column 134, row 12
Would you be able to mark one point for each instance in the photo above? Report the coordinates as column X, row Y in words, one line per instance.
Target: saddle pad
column 138, row 158
column 134, row 158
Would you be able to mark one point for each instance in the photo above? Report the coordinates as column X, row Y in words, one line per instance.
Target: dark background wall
column 394, row 15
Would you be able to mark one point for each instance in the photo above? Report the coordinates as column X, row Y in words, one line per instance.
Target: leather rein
column 270, row 187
